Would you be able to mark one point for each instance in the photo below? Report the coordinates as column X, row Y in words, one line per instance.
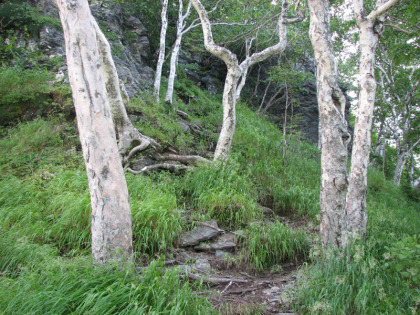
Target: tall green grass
column 268, row 245
column 45, row 219
column 222, row 192
column 289, row 184
column 156, row 214
column 77, row 287
column 381, row 275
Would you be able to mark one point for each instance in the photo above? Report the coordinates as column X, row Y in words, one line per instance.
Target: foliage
column 223, row 193
column 404, row 258
column 52, row 206
column 156, row 217
column 375, row 277
column 45, row 218
column 18, row 91
column 19, row 15
column 270, row 245
column 288, row 185
column 59, row 287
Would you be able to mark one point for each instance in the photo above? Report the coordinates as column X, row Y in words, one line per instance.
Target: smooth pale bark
column 370, row 28
column 127, row 135
column 334, row 135
column 399, row 168
column 161, row 58
column 175, row 52
column 111, row 216
column 235, row 71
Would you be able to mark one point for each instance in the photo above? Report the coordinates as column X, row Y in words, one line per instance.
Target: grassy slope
column 44, row 219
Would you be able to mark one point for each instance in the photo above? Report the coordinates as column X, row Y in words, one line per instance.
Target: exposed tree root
column 130, row 140
column 212, row 280
column 162, row 166
column 184, row 159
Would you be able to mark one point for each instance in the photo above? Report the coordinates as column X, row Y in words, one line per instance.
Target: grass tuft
column 269, row 245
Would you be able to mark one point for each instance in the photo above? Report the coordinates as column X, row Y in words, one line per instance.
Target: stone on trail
column 220, row 254
column 223, row 242
column 199, row 234
column 201, row 264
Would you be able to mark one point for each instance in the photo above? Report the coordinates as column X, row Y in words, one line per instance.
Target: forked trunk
column 370, row 29
column 235, row 71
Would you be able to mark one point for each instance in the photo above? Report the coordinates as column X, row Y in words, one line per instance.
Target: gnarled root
column 162, row 166
column 165, row 161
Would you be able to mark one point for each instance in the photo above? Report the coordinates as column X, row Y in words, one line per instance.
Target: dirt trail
column 210, row 254
column 232, row 289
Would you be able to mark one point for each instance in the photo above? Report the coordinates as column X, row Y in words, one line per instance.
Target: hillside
column 259, row 211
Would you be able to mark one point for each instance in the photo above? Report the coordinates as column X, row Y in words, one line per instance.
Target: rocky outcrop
column 132, row 51
column 208, row 73
column 305, row 109
column 126, row 34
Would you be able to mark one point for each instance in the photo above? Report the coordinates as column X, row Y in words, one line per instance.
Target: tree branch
column 381, row 9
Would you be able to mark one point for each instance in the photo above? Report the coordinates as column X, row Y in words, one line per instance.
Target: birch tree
column 370, row 29
column 398, row 94
column 180, row 31
column 237, row 71
column 111, row 216
column 161, row 57
column 334, row 136
column 343, row 202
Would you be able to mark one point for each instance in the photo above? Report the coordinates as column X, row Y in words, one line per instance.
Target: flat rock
column 223, row 242
column 272, row 290
column 221, row 254
column 201, row 264
column 199, row 234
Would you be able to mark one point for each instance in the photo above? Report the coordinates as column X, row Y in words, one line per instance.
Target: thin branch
column 377, row 12
column 396, row 27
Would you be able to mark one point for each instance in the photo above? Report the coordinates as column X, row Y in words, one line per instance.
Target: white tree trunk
column 127, row 135
column 334, row 135
column 175, row 52
column 356, row 197
column 229, row 115
column 370, row 28
column 172, row 71
column 161, row 58
column 235, row 71
column 111, row 217
column 399, row 168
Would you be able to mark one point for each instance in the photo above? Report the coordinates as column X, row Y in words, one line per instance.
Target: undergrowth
column 269, row 245
column 45, row 218
column 380, row 275
column 58, row 286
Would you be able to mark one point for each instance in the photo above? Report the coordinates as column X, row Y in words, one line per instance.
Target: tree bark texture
column 127, row 135
column 370, row 28
column 334, row 135
column 401, row 161
column 161, row 58
column 111, row 217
